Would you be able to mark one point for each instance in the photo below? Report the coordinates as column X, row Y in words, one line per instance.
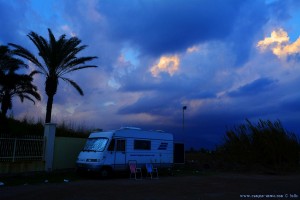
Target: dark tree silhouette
column 59, row 58
column 13, row 84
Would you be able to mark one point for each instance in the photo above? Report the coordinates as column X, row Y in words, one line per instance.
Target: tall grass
column 30, row 126
column 265, row 144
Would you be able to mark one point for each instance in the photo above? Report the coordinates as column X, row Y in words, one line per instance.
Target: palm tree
column 7, row 61
column 17, row 85
column 59, row 58
column 12, row 84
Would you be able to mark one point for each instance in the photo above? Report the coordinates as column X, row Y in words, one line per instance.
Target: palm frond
column 77, row 68
column 42, row 46
column 24, row 53
column 75, row 85
column 35, row 72
column 7, row 60
column 81, row 60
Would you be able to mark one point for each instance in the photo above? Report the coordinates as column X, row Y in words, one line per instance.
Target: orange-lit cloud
column 192, row 49
column 279, row 44
column 169, row 64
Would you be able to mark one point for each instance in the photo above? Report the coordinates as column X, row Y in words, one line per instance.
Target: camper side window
column 142, row 144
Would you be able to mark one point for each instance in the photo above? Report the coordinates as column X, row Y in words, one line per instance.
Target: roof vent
column 131, row 128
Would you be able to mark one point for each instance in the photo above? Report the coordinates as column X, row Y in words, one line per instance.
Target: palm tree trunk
column 5, row 105
column 49, row 108
column 3, row 109
column 4, row 124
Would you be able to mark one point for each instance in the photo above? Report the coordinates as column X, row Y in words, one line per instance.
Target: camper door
column 120, row 154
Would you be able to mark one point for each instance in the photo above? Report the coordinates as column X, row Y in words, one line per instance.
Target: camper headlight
column 93, row 160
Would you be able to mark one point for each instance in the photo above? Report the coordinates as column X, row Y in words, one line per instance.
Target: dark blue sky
column 226, row 60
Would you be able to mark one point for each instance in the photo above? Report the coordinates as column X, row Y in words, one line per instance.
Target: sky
column 226, row 60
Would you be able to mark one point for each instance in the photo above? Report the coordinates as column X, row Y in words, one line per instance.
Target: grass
column 264, row 144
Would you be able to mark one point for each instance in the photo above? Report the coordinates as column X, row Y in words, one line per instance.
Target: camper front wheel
column 105, row 172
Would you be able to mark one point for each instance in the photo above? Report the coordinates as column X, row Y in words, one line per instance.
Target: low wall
column 21, row 167
column 66, row 150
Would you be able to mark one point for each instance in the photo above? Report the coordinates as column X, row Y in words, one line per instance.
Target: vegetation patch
column 264, row 147
column 27, row 126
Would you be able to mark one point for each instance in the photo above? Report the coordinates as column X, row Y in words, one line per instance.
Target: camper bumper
column 88, row 167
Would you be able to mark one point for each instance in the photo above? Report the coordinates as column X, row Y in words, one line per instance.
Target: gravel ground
column 220, row 186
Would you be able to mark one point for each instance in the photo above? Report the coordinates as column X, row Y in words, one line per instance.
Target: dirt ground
column 202, row 187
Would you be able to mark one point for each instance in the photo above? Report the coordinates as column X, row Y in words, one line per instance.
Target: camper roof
column 142, row 134
column 134, row 133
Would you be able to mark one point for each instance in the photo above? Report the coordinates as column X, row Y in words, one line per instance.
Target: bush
column 266, row 144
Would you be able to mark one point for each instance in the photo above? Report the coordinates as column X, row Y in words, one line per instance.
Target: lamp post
column 183, row 109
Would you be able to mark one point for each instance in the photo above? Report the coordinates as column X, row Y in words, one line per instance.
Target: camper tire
column 105, row 172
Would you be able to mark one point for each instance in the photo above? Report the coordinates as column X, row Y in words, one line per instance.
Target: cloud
column 169, row 64
column 260, row 85
column 278, row 37
column 89, row 9
column 252, row 17
column 279, row 43
column 169, row 26
column 192, row 49
column 13, row 18
column 282, row 11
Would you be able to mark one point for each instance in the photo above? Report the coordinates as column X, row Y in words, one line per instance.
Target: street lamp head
column 184, row 108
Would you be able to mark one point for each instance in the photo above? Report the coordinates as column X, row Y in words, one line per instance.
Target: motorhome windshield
column 95, row 144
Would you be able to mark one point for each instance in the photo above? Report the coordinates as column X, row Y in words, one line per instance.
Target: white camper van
column 112, row 150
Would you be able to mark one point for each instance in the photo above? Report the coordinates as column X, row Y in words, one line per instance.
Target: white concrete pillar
column 49, row 133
